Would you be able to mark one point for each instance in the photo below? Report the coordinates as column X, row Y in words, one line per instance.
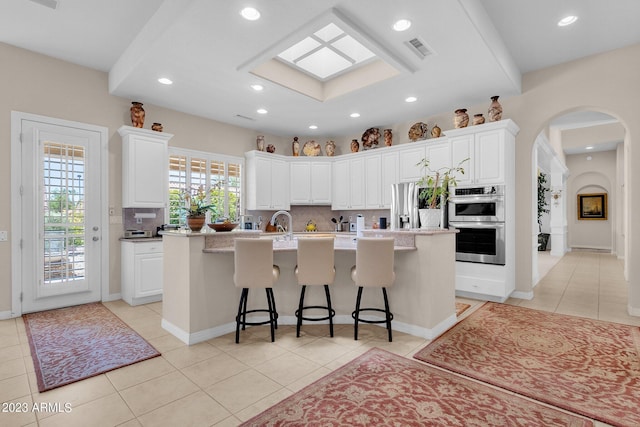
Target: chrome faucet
column 288, row 215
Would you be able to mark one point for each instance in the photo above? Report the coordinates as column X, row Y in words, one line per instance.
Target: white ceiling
column 480, row 48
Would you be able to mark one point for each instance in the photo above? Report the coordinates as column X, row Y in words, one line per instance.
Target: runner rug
column 589, row 367
column 383, row 389
column 74, row 343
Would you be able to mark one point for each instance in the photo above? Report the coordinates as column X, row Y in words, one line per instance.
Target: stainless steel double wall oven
column 479, row 215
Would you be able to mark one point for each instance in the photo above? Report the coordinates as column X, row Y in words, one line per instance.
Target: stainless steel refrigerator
column 404, row 206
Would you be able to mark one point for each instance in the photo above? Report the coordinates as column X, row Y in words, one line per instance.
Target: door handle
column 96, row 238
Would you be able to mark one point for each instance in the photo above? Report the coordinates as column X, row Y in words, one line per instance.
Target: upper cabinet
column 409, row 158
column 267, row 181
column 145, row 170
column 348, row 183
column 381, row 171
column 490, row 152
column 310, row 181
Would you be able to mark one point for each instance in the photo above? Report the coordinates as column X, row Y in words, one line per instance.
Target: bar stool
column 374, row 268
column 315, row 267
column 254, row 268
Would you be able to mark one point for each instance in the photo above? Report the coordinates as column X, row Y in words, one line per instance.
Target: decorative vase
column 370, row 138
column 435, row 132
column 478, row 119
column 388, row 137
column 330, row 148
column 157, row 127
column 295, row 147
column 195, row 222
column 495, row 109
column 355, row 145
column 430, row 218
column 260, row 142
column 271, row 148
column 137, row 114
column 461, row 119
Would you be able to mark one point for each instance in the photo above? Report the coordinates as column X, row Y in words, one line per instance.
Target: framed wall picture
column 592, row 206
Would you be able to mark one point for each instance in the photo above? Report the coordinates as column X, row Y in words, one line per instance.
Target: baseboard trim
column 522, row 295
column 4, row 315
column 112, row 297
column 633, row 311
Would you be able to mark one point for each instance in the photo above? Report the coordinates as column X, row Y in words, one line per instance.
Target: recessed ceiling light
column 589, row 147
column 354, row 115
column 257, row 87
column 411, row 99
column 313, row 127
column 165, row 81
column 402, row 25
column 262, row 111
column 567, row 20
column 249, row 13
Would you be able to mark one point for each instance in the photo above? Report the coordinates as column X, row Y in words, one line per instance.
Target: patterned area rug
column 383, row 389
column 74, row 343
column 461, row 308
column 586, row 366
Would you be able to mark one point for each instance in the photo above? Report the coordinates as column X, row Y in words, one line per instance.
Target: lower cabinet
column 142, row 272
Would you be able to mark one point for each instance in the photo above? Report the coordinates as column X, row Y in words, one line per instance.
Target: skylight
column 326, row 53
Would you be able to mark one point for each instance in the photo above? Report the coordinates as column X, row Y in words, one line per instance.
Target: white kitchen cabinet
column 145, row 169
column 409, row 158
column 381, row 171
column 267, row 181
column 488, row 152
column 348, row 184
column 310, row 182
column 439, row 155
column 142, row 271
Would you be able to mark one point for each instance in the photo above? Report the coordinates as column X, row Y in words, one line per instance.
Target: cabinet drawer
column 148, row 248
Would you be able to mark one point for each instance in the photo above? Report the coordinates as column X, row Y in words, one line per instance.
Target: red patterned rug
column 589, row 367
column 74, row 343
column 383, row 389
column 461, row 308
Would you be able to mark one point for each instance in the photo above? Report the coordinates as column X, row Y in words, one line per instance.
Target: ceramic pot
column 137, row 115
column 330, row 148
column 195, row 222
column 388, row 137
column 478, row 119
column 271, row 148
column 157, row 127
column 295, row 147
column 461, row 119
column 429, row 218
column 355, row 146
column 495, row 109
column 435, row 132
column 260, row 142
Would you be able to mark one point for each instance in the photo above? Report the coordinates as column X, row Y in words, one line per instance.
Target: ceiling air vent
column 418, row 47
column 245, row 117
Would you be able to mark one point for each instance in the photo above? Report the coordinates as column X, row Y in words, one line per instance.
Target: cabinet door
column 462, row 148
column 341, row 184
column 439, row 156
column 389, row 177
column 489, row 152
column 279, row 184
column 262, row 183
column 148, row 275
column 320, row 183
column 300, row 183
column 145, row 174
column 409, row 159
column 373, row 181
column 357, row 187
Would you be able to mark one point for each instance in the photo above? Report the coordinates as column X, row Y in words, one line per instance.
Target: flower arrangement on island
column 196, row 204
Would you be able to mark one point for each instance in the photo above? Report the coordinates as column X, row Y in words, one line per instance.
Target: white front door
column 61, row 230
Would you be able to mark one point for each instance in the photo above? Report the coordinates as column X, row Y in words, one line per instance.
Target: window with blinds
column 218, row 177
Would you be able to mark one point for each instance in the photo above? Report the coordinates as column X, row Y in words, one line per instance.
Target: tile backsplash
column 148, row 219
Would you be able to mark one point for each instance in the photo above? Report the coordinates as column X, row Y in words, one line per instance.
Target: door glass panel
column 64, row 213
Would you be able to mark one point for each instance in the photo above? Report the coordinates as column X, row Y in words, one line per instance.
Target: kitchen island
column 200, row 300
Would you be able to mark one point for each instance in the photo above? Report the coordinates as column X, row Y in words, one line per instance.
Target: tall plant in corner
column 435, row 183
column 542, row 198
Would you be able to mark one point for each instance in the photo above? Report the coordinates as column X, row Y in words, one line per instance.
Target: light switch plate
column 3, row 236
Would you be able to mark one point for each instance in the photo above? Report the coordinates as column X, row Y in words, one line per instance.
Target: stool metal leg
column 241, row 317
column 300, row 309
column 357, row 313
column 271, row 315
column 273, row 304
column 329, row 309
column 387, row 313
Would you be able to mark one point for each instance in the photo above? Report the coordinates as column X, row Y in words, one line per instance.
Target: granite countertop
column 142, row 239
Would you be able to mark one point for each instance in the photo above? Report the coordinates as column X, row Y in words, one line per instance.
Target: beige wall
column 608, row 82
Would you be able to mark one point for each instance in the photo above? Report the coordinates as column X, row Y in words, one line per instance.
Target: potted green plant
column 196, row 208
column 543, row 238
column 434, row 192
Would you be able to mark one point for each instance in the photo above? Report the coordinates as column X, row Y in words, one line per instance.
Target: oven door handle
column 472, row 224
column 476, row 199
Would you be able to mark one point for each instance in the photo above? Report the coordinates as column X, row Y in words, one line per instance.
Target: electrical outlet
column 112, row 211
column 138, row 220
column 3, row 236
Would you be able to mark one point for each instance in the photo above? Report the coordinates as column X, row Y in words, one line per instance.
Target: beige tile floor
column 220, row 383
